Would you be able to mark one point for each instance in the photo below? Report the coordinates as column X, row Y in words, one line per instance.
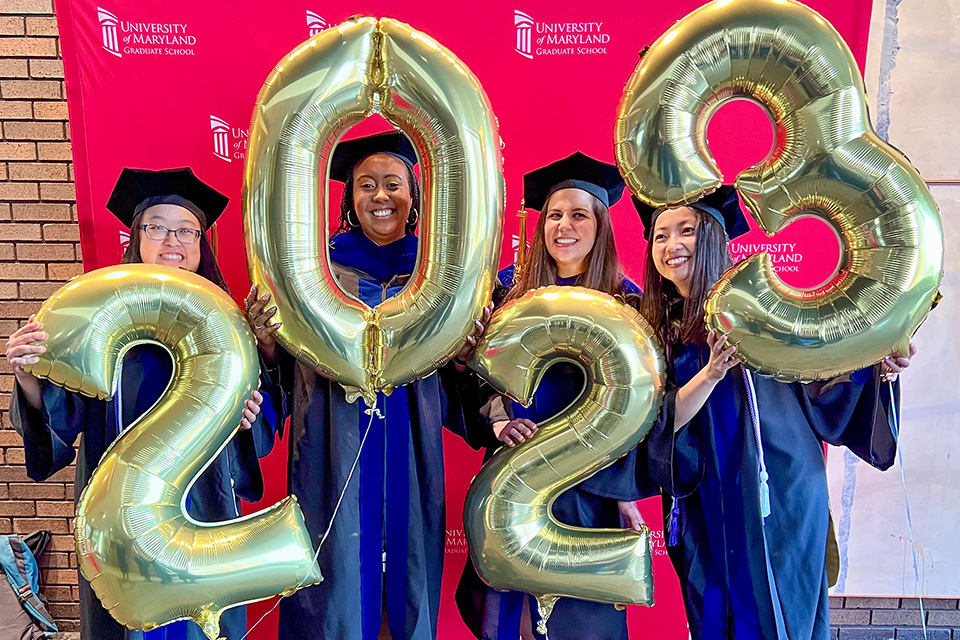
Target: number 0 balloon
column 147, row 561
column 827, row 162
column 315, row 94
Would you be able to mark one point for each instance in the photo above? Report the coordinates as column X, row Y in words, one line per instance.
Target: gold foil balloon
column 515, row 541
column 317, row 92
column 827, row 162
column 147, row 560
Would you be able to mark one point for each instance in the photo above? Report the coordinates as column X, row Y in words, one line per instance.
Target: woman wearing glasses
column 168, row 213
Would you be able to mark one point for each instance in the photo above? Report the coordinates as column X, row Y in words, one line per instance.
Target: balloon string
column 374, row 412
column 895, row 427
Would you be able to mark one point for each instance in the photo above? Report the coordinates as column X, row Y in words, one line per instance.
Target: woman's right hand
column 513, row 432
column 258, row 319
column 22, row 347
column 23, row 350
column 721, row 359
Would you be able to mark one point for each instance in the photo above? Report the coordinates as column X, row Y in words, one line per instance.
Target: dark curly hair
column 346, row 202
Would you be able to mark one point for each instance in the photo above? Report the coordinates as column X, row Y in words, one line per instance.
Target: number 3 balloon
column 827, row 162
column 315, row 94
column 146, row 559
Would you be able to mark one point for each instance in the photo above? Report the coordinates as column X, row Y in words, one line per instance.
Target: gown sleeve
column 463, row 397
column 617, row 482
column 857, row 412
column 276, row 385
column 669, row 459
column 251, row 445
column 50, row 431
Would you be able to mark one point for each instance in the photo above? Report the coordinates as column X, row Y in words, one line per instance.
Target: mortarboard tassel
column 761, row 463
column 674, row 536
column 520, row 264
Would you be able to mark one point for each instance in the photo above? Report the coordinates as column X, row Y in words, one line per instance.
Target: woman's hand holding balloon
column 721, row 359
column 692, row 396
column 894, row 365
column 630, row 514
column 258, row 319
column 513, row 432
column 470, row 344
column 22, row 350
column 251, row 410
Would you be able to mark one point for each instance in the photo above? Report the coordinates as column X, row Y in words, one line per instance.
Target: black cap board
column 349, row 153
column 723, row 204
column 138, row 189
column 577, row 171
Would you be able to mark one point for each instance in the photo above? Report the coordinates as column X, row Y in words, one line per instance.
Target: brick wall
column 888, row 618
column 39, row 250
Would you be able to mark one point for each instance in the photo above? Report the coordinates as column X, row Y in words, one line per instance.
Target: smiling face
column 381, row 197
column 170, row 251
column 569, row 230
column 673, row 245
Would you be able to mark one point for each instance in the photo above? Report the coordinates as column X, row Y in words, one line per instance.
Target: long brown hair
column 674, row 318
column 208, row 267
column 603, row 265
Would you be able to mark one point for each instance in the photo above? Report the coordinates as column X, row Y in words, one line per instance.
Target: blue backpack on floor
column 23, row 615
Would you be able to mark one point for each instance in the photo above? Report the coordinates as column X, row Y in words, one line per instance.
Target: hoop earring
column 352, row 220
column 414, row 217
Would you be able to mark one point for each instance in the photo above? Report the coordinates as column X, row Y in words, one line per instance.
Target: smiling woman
column 167, row 212
column 385, row 552
column 572, row 245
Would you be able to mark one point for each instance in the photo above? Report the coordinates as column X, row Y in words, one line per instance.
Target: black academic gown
column 723, row 548
column 495, row 615
column 384, row 553
column 49, row 434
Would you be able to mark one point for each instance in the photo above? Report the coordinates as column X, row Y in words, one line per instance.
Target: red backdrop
column 169, row 83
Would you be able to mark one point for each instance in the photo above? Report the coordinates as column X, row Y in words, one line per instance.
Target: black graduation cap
column 577, row 171
column 723, row 204
column 350, row 153
column 137, row 189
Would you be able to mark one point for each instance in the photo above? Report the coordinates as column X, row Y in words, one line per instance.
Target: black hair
column 674, row 318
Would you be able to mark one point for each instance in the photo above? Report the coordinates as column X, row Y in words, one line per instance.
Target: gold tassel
column 521, row 262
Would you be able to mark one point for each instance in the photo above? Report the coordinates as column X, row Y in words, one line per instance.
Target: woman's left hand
column 892, row 366
column 479, row 326
column 631, row 514
column 251, row 410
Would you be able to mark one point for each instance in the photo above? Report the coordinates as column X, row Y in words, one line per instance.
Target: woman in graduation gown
column 740, row 457
column 383, row 558
column 167, row 212
column 573, row 244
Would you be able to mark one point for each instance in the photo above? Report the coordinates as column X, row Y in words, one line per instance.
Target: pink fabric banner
column 170, row 83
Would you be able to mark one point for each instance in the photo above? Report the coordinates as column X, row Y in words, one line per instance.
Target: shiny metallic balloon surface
column 515, row 541
column 315, row 94
column 827, row 162
column 147, row 560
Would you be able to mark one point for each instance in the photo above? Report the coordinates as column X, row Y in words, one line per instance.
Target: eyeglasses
column 186, row 235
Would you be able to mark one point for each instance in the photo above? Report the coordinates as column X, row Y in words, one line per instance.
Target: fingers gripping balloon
column 132, row 513
column 515, row 542
column 312, row 97
column 827, row 162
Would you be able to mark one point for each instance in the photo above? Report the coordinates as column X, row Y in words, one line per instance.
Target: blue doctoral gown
column 384, row 554
column 743, row 575
column 496, row 615
column 48, row 437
